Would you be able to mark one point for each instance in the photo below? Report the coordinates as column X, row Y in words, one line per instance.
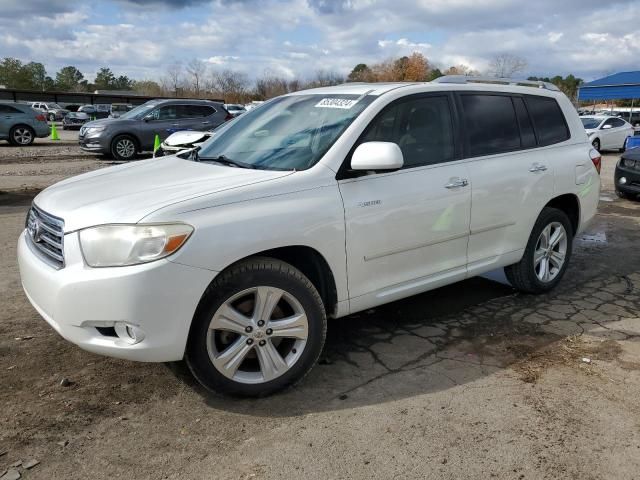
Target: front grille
column 46, row 233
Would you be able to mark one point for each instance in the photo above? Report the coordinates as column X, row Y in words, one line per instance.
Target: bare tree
column 461, row 69
column 196, row 70
column 173, row 78
column 507, row 65
column 232, row 86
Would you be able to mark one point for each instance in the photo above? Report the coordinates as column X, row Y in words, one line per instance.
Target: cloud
column 298, row 37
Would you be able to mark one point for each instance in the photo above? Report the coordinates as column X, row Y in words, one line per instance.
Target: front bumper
column 632, row 176
column 158, row 298
column 95, row 144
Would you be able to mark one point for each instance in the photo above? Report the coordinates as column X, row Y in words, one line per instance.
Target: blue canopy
column 623, row 85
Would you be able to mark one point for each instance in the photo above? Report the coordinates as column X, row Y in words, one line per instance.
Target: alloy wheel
column 125, row 148
column 550, row 252
column 257, row 335
column 23, row 136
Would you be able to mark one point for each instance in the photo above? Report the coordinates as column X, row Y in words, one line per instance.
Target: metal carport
column 619, row 86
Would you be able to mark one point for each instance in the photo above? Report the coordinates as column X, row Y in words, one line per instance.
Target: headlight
column 121, row 245
column 91, row 130
column 627, row 162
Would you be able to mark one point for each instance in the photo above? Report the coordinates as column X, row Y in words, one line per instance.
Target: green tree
column 105, row 79
column 123, row 83
column 69, row 78
column 11, row 73
column 360, row 73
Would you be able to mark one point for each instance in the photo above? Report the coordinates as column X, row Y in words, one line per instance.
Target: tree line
column 199, row 79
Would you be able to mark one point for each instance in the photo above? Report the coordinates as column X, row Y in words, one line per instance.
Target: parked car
column 627, row 174
column 235, row 109
column 52, row 111
column 118, row 109
column 606, row 132
column 135, row 131
column 320, row 203
column 74, row 120
column 183, row 140
column 97, row 111
column 20, row 124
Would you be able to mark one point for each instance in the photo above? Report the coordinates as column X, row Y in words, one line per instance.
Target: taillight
column 41, row 118
column 596, row 158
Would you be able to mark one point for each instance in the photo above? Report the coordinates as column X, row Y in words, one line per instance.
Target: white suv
column 318, row 204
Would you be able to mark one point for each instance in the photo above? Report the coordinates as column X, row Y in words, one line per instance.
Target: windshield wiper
column 224, row 160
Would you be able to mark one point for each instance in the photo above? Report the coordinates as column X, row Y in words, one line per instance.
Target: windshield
column 287, row 133
column 139, row 112
column 119, row 108
column 53, row 105
column 590, row 123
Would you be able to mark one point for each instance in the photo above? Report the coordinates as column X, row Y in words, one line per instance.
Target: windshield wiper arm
column 224, row 160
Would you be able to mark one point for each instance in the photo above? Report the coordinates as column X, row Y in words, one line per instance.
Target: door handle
column 537, row 167
column 457, row 182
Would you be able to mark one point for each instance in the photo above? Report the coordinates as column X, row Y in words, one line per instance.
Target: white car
column 234, row 109
column 606, row 132
column 320, row 203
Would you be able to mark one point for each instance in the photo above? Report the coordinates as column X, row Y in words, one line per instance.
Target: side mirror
column 377, row 156
column 606, row 127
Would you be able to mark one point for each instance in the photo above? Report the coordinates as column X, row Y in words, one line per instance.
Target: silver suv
column 52, row 111
column 135, row 131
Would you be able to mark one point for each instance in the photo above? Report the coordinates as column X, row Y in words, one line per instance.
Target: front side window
column 168, row 112
column 490, row 124
column 548, row 120
column 615, row 122
column 286, row 133
column 421, row 127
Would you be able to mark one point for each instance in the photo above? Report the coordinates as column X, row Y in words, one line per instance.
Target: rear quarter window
column 548, row 120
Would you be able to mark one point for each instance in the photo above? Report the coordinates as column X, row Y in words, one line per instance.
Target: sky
column 295, row 38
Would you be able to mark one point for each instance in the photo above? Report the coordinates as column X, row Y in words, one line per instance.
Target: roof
column 357, row 88
column 613, row 87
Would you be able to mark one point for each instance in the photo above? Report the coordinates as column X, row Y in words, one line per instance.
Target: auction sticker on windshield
column 336, row 103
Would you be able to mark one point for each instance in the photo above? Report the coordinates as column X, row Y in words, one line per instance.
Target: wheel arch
column 311, row 263
column 570, row 205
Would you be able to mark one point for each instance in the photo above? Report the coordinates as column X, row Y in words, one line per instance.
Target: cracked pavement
column 468, row 381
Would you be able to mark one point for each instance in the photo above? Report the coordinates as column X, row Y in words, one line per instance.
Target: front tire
column 596, row 144
column 52, row 117
column 123, row 148
column 546, row 256
column 260, row 327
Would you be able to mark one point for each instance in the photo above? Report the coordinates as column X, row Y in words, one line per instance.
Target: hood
column 127, row 193
column 78, row 115
column 107, row 121
column 185, row 137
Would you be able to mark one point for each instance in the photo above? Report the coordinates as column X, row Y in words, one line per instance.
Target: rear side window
column 615, row 122
column 491, row 125
column 195, row 111
column 9, row 109
column 548, row 120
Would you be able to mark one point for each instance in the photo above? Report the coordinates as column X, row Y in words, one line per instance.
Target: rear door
column 511, row 179
column 407, row 230
column 9, row 116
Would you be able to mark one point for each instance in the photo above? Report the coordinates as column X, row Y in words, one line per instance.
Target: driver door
column 407, row 230
column 162, row 121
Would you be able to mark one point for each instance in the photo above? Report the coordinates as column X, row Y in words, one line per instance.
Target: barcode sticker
column 336, row 103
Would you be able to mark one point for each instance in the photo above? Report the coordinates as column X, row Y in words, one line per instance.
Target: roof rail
column 496, row 80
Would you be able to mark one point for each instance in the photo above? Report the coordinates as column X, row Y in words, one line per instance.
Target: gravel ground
column 468, row 381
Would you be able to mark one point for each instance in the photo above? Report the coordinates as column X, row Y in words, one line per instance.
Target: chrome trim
column 491, row 227
column 45, row 236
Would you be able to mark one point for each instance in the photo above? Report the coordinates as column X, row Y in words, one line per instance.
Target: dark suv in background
column 135, row 131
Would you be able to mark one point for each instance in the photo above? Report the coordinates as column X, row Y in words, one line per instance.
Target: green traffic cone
column 156, row 144
column 54, row 132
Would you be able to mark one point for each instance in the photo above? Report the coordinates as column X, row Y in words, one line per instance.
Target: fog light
column 622, row 180
column 129, row 333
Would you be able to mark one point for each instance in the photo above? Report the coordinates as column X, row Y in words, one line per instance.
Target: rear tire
column 52, row 117
column 546, row 256
column 259, row 328
column 124, row 148
column 21, row 135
